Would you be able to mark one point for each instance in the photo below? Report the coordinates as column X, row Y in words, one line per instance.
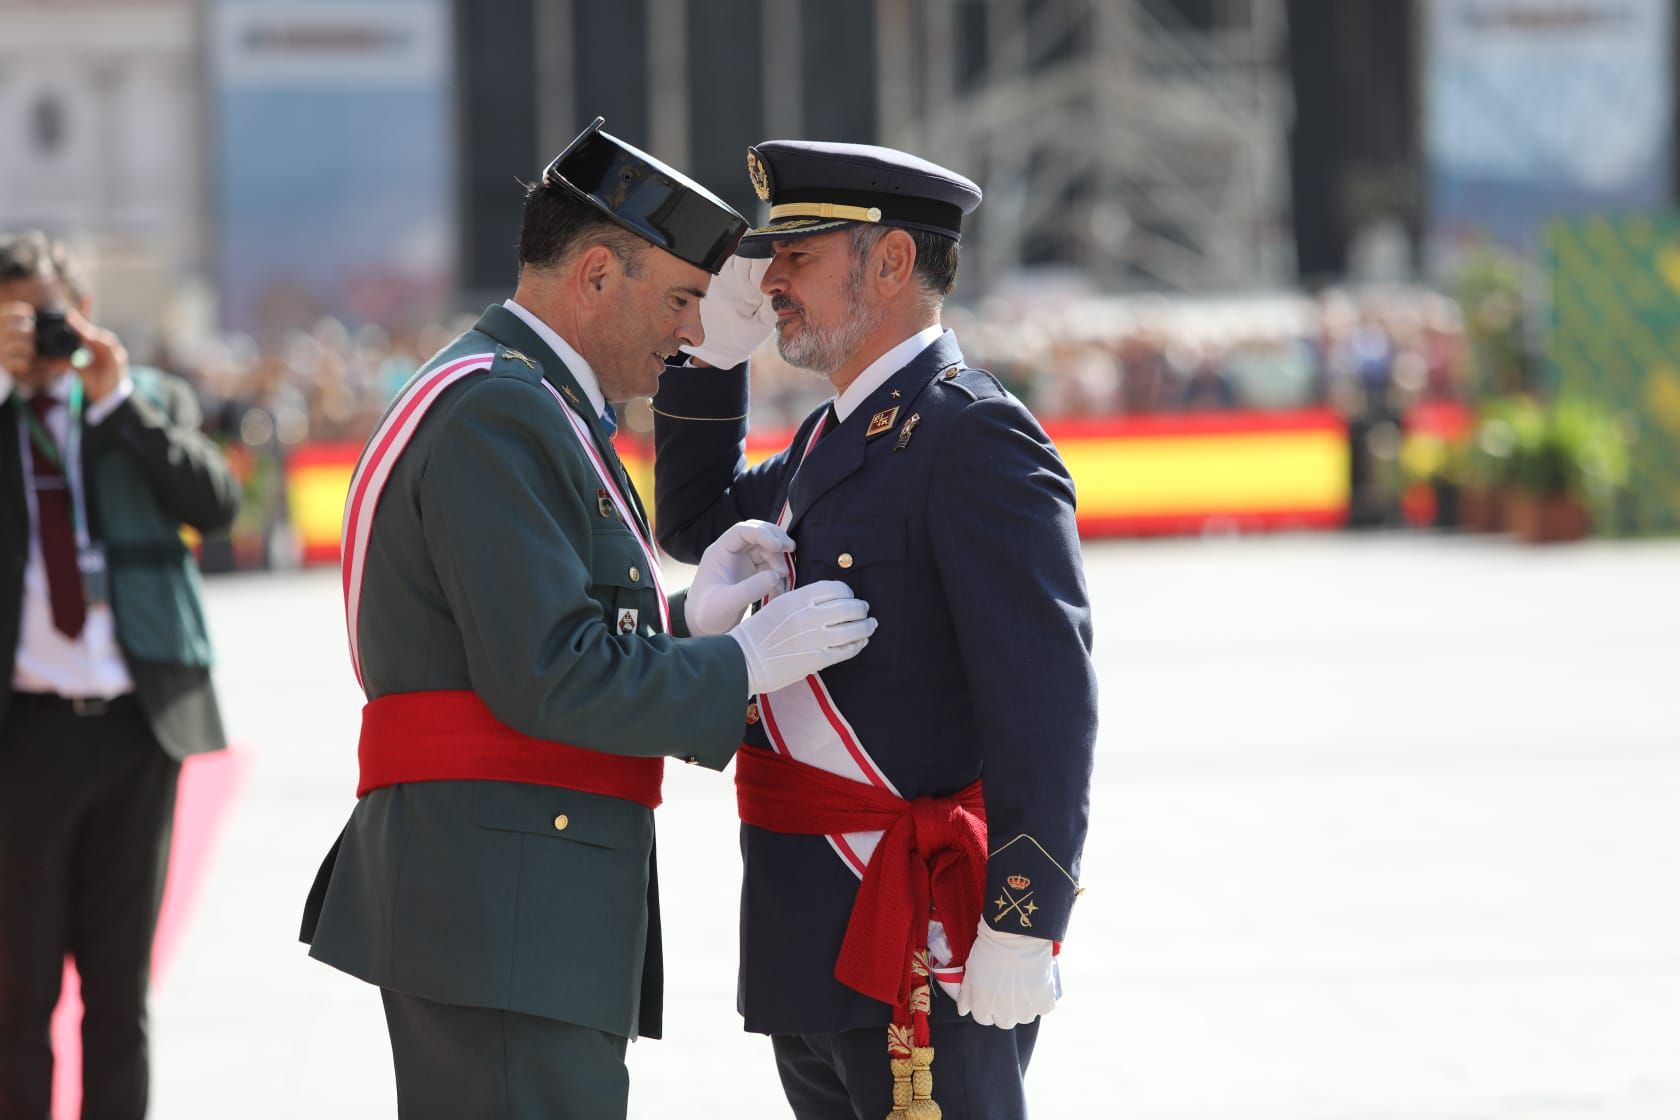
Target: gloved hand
column 801, row 632
column 1009, row 979
column 736, row 315
column 738, row 569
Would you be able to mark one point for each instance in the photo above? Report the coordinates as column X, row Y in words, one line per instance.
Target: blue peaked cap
column 815, row 186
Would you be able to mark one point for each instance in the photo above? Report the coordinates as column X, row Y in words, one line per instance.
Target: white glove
column 802, row 632
column 1009, row 979
column 738, row 569
column 736, row 314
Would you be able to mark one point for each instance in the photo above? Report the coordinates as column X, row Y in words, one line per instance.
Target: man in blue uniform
column 945, row 771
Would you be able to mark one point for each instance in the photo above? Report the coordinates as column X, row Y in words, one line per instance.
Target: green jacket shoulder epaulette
column 517, row 363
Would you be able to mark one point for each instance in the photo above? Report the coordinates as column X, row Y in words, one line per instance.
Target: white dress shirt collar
column 58, row 424
column 563, row 350
column 96, row 412
column 9, row 385
column 877, row 372
column 59, row 391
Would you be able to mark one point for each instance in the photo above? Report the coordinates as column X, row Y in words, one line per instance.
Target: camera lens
column 54, row 337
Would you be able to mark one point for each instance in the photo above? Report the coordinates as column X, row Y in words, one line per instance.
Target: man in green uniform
column 527, row 672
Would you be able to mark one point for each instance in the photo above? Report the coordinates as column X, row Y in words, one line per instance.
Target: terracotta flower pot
column 1481, row 509
column 1546, row 518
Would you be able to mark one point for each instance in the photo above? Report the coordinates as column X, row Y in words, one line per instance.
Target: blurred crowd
column 1071, row 356
column 1371, row 351
column 328, row 383
column 1370, row 355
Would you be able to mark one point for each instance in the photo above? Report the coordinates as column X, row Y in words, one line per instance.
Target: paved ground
column 1383, row 829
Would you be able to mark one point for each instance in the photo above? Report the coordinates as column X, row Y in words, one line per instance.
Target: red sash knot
column 931, row 860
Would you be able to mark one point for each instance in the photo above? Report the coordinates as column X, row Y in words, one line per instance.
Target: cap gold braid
column 825, row 210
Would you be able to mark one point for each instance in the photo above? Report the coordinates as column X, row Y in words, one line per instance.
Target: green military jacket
column 148, row 471
column 493, row 565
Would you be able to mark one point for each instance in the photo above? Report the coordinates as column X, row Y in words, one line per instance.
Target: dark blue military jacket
column 957, row 522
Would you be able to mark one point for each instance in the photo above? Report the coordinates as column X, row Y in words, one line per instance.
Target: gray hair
column 936, row 259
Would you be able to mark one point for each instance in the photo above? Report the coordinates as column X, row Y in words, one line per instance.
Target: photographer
column 106, row 684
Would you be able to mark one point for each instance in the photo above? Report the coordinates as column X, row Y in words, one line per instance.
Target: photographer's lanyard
column 69, row 462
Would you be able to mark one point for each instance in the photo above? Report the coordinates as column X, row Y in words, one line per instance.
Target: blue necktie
column 609, row 421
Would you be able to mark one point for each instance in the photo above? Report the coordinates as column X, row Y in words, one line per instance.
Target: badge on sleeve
column 881, row 422
column 1015, row 901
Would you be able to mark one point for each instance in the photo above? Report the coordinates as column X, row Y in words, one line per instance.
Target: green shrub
column 1573, row 448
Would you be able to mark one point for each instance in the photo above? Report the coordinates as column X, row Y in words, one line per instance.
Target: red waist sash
column 451, row 736
column 933, row 854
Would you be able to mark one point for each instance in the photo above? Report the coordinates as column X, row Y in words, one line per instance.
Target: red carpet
column 209, row 784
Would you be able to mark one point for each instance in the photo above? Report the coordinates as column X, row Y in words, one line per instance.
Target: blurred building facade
column 101, row 124
column 1126, row 145
column 1142, row 144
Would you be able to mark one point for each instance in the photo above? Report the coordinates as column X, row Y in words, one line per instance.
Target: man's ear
column 895, row 265
column 595, row 270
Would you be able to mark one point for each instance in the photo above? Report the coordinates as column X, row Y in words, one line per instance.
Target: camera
column 54, row 336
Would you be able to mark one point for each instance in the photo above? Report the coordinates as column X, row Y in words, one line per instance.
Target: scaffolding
column 1110, row 135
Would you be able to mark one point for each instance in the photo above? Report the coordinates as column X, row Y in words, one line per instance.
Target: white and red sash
column 387, row 446
column 804, row 723
column 626, row 512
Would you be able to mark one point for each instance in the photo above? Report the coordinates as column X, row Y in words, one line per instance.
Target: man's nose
column 689, row 330
column 775, row 281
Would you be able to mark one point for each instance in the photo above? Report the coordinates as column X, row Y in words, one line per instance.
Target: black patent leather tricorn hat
column 647, row 197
